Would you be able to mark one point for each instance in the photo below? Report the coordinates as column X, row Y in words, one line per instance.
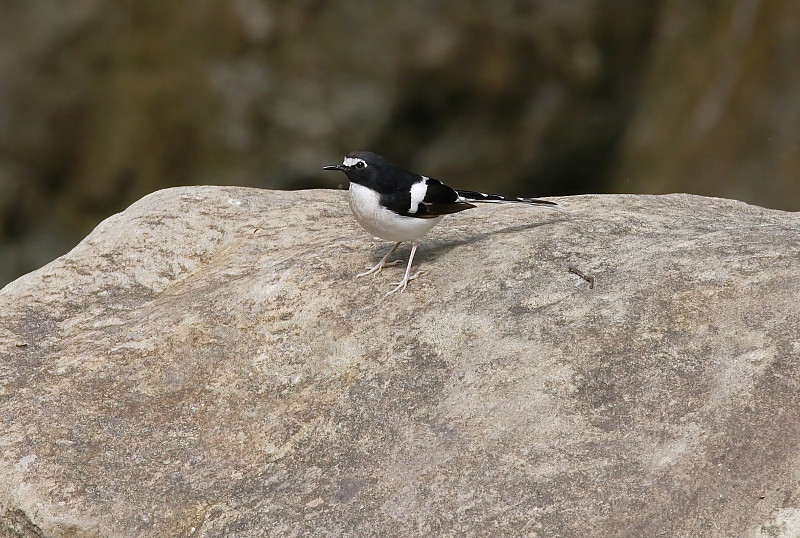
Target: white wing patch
column 418, row 191
column 352, row 161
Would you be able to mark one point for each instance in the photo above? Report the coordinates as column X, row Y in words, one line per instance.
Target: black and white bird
column 397, row 205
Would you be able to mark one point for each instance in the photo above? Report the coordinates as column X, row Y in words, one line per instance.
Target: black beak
column 334, row 167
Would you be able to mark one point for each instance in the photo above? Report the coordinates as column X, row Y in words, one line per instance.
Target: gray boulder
column 206, row 364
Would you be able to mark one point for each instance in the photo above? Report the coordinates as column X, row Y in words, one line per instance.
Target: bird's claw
column 377, row 268
column 401, row 286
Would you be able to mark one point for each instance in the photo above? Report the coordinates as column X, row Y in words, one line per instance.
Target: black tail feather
column 472, row 196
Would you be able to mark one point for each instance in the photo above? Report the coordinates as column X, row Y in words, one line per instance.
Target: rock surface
column 205, row 364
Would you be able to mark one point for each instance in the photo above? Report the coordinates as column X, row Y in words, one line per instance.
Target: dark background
column 104, row 101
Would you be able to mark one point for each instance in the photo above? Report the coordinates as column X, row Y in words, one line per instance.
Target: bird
column 397, row 205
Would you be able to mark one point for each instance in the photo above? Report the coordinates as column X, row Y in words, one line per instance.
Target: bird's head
column 361, row 167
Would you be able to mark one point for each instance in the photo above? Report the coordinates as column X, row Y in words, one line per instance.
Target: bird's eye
column 361, row 164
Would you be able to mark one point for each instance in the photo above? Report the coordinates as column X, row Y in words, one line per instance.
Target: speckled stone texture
column 206, row 364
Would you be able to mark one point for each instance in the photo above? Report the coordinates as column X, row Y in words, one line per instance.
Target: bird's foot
column 401, row 286
column 378, row 267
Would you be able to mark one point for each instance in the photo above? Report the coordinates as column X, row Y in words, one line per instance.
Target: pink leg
column 401, row 286
column 382, row 263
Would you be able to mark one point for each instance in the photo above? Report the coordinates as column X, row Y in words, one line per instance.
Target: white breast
column 383, row 223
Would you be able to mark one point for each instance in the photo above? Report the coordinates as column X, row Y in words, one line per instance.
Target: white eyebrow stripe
column 352, row 161
column 418, row 192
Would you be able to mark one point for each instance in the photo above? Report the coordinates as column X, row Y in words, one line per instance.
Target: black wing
column 423, row 197
column 441, row 200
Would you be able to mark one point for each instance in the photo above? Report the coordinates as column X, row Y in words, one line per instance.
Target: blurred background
column 104, row 101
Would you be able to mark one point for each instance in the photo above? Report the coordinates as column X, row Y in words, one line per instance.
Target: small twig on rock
column 587, row 278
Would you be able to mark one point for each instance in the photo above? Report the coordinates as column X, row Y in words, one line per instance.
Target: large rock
column 206, row 364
